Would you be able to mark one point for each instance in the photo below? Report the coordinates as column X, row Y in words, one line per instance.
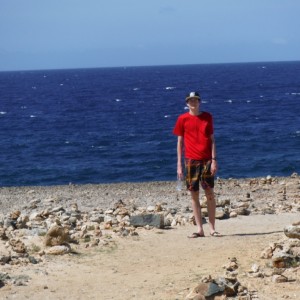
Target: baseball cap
column 192, row 95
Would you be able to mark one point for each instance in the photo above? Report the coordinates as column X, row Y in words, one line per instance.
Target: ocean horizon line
column 149, row 66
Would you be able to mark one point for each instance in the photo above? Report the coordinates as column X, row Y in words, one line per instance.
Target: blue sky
column 58, row 34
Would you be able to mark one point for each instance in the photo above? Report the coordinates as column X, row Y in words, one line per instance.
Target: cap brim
column 187, row 98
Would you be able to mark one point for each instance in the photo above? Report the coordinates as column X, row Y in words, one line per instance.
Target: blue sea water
column 111, row 125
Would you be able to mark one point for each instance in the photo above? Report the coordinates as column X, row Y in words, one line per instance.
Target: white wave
column 186, row 108
column 261, row 96
column 2, row 112
column 32, row 116
column 170, row 87
column 61, row 84
column 33, row 87
column 203, row 101
column 248, row 101
column 295, row 94
column 167, row 116
column 118, row 100
column 228, row 101
column 136, row 89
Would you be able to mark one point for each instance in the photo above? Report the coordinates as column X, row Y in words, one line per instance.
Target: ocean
column 110, row 125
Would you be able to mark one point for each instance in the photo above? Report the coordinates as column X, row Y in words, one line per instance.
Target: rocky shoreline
column 263, row 191
column 36, row 222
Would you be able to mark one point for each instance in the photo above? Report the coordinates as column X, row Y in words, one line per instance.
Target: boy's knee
column 209, row 193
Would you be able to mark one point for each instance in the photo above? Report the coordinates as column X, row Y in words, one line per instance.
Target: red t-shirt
column 196, row 132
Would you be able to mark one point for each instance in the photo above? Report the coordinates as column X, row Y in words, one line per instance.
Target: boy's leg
column 197, row 211
column 211, row 207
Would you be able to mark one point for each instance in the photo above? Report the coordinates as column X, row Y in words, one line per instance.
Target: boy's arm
column 179, row 157
column 214, row 164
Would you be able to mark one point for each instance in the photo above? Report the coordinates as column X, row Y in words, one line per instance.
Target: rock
column 107, row 226
column 4, row 277
column 206, row 291
column 255, row 268
column 35, row 217
column 292, row 231
column 21, row 221
column 223, row 202
column 97, row 218
column 282, row 260
column 156, row 220
column 168, row 222
column 233, row 214
column 242, row 211
column 109, row 211
column 295, row 251
column 74, row 207
column 158, row 207
column 279, row 278
column 15, row 215
column 20, row 280
column 122, row 211
column 32, row 260
column 151, row 208
column 220, row 214
column 231, row 266
column 3, row 235
column 97, row 231
column 58, row 250
column 4, row 259
column 57, row 209
column 268, row 211
column 17, row 245
column 56, row 235
column 174, row 223
column 230, row 284
column 267, row 253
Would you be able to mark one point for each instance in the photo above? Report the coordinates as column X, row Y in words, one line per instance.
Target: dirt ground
column 159, row 264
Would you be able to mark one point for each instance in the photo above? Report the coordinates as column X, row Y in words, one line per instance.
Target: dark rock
column 155, row 220
column 292, row 232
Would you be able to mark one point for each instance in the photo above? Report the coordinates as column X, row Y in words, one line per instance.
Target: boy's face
column 193, row 103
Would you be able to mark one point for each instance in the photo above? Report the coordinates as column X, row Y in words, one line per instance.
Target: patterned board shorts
column 198, row 171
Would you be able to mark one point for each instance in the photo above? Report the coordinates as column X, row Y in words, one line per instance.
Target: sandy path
column 159, row 264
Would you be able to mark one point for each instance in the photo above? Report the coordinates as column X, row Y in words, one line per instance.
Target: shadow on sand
column 254, row 234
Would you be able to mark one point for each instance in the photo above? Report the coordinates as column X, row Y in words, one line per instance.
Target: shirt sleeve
column 178, row 129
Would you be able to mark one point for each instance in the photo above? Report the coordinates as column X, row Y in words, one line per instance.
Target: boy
column 195, row 133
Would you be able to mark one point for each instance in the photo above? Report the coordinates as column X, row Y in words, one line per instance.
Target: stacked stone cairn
column 222, row 287
column 284, row 257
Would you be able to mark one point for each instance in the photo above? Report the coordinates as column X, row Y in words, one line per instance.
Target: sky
column 60, row 34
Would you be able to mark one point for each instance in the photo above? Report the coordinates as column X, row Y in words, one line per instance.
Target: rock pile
column 49, row 229
column 267, row 195
column 284, row 256
column 222, row 287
